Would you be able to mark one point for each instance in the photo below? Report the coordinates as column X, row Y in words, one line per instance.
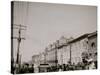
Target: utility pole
column 19, row 38
column 20, row 60
column 12, row 57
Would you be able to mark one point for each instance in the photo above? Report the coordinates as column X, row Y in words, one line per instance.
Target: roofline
column 92, row 34
column 79, row 38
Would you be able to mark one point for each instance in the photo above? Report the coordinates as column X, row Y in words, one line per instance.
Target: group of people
column 87, row 63
column 24, row 69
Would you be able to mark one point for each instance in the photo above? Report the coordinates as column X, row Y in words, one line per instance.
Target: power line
column 19, row 25
column 19, row 38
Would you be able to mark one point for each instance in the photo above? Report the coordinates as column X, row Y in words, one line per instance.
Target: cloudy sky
column 47, row 22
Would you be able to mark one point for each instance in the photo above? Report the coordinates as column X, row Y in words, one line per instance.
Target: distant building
column 42, row 58
column 51, row 56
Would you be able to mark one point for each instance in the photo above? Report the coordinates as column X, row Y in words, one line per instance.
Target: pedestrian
column 91, row 64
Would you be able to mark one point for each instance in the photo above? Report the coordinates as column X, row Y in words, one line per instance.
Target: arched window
column 96, row 53
column 93, row 45
column 87, row 42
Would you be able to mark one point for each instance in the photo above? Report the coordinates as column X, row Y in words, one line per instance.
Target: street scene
column 49, row 37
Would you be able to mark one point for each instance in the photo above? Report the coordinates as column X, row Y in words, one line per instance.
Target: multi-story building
column 62, row 52
column 70, row 50
column 77, row 47
column 51, row 57
column 92, row 42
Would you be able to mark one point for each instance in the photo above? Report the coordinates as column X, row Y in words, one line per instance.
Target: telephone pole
column 19, row 39
column 12, row 56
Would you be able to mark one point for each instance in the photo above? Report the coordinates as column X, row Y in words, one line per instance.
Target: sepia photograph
column 53, row 37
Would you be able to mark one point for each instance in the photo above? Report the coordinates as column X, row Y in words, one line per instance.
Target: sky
column 47, row 22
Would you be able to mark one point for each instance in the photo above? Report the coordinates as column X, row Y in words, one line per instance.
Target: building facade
column 65, row 51
column 77, row 47
column 92, row 42
column 51, row 57
column 72, row 51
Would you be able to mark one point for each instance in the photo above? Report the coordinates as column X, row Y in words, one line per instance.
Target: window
column 92, row 44
column 90, row 54
column 96, row 53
